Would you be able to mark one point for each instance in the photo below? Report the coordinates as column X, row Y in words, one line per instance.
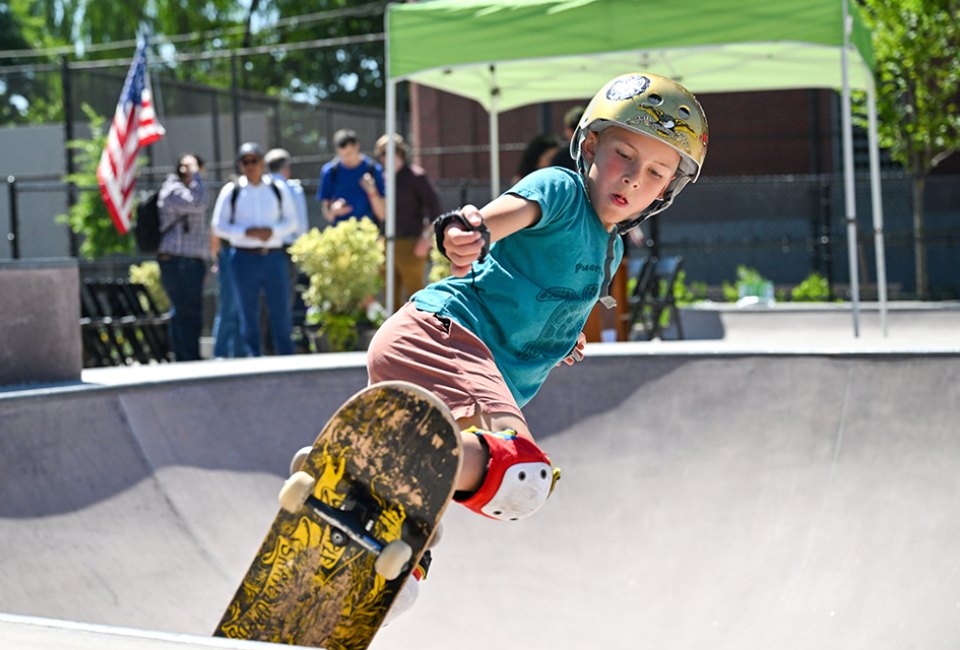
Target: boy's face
column 627, row 172
column 349, row 153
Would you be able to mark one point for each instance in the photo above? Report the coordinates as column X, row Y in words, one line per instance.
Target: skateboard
column 353, row 523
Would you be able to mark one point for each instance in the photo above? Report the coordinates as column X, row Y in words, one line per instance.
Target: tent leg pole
column 494, row 150
column 877, row 201
column 848, row 175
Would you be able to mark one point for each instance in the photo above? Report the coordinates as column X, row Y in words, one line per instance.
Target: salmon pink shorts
column 442, row 356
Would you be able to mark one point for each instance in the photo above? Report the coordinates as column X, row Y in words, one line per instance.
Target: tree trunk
column 919, row 237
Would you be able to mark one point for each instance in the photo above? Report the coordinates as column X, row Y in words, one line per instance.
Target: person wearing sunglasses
column 255, row 214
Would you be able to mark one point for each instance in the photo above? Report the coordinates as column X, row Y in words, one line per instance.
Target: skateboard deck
column 383, row 469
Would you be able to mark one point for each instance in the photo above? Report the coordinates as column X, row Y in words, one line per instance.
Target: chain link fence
column 788, row 227
column 783, row 227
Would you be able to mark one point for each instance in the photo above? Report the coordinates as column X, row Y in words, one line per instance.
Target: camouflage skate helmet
column 655, row 106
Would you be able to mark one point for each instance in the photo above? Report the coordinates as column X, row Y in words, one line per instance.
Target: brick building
column 759, row 133
column 771, row 195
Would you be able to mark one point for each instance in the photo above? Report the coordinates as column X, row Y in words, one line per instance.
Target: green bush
column 749, row 283
column 148, row 274
column 815, row 288
column 683, row 294
column 89, row 217
column 343, row 263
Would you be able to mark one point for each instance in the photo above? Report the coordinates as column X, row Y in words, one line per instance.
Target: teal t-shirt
column 530, row 298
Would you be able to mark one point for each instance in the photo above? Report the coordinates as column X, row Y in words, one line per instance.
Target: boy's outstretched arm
column 503, row 216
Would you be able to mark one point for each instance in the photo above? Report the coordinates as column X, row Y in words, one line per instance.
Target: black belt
column 257, row 251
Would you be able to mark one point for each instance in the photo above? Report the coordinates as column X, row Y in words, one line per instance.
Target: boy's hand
column 577, row 353
column 463, row 247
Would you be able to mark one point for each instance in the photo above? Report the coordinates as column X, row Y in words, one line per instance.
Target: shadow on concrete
column 720, row 501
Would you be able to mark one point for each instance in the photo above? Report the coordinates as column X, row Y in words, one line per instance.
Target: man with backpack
column 255, row 214
column 351, row 185
column 183, row 252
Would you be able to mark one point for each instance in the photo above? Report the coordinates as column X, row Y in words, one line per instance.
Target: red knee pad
column 518, row 480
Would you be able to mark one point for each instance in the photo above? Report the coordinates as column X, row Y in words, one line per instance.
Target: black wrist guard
column 440, row 225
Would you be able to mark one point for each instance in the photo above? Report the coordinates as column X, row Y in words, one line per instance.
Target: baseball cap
column 276, row 154
column 250, row 149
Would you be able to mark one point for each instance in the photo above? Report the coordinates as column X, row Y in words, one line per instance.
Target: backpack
column 147, row 227
column 235, row 192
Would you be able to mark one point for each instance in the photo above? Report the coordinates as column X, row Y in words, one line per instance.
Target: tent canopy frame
column 494, row 52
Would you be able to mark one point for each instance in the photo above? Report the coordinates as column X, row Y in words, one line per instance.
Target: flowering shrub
column 343, row 263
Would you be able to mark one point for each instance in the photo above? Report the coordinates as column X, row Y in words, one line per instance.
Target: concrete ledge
column 31, row 632
column 40, row 329
column 934, row 324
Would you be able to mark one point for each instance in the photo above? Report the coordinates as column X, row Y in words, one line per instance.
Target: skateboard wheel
column 295, row 491
column 393, row 558
column 299, row 458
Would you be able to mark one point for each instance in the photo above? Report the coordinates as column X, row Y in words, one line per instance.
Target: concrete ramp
column 746, row 502
column 709, row 500
column 141, row 506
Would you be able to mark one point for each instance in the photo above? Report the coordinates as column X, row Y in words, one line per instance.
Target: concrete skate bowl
column 721, row 501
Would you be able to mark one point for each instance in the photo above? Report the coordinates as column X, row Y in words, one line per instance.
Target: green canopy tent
column 506, row 54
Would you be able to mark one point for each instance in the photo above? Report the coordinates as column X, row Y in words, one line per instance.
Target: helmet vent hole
column 654, row 99
column 684, row 113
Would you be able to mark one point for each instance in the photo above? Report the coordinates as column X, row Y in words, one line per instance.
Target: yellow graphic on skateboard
column 354, row 522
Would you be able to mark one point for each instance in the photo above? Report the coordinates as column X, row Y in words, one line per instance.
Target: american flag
column 134, row 126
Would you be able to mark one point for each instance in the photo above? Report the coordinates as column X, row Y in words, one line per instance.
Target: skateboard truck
column 392, row 557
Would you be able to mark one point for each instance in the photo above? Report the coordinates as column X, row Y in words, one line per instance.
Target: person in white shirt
column 256, row 215
column 278, row 166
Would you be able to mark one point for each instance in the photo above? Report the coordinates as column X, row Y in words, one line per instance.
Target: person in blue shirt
column 527, row 269
column 351, row 185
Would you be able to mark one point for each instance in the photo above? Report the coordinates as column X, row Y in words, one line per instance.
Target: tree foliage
column 352, row 73
column 88, row 217
column 193, row 42
column 918, row 79
column 25, row 96
column 915, row 43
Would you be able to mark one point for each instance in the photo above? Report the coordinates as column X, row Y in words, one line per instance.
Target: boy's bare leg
column 474, row 453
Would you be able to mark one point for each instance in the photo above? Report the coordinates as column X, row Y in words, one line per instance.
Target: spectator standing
column 351, row 185
column 417, row 204
column 538, row 154
column 571, row 119
column 256, row 214
column 278, row 166
column 227, row 342
column 183, row 253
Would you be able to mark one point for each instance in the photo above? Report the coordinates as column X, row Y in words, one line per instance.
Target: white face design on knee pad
column 523, row 490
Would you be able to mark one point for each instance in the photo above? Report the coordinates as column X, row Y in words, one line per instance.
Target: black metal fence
column 784, row 227
column 787, row 227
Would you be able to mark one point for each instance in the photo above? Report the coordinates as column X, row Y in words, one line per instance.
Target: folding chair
column 655, row 299
column 641, row 290
column 99, row 346
column 125, row 332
